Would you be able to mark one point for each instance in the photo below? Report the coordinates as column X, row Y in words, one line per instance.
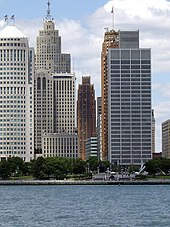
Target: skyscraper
column 111, row 40
column 153, row 132
column 16, row 95
column 86, row 114
column 129, row 101
column 166, row 139
column 48, row 49
column 99, row 128
column 63, row 142
column 54, row 95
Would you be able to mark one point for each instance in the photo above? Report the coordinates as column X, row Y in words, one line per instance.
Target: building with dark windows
column 129, row 101
column 86, row 114
column 153, row 132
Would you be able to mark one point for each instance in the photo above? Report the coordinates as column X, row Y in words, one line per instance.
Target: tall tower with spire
column 49, row 55
column 54, row 95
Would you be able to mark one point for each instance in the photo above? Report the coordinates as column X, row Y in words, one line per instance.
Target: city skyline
column 88, row 26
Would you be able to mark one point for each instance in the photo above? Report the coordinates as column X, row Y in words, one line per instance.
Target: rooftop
column 10, row 31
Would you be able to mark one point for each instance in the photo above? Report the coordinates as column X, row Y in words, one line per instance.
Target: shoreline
column 84, row 182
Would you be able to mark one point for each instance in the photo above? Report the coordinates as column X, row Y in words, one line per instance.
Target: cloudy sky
column 81, row 24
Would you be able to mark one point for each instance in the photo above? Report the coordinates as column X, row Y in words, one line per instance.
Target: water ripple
column 85, row 206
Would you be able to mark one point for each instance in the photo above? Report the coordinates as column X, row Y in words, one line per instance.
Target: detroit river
column 85, row 206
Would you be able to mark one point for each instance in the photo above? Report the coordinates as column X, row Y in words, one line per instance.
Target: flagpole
column 112, row 12
column 6, row 19
column 13, row 19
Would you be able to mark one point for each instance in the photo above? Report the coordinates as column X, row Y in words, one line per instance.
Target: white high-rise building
column 16, row 95
column 129, row 101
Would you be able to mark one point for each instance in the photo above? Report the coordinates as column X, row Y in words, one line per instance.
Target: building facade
column 16, row 95
column 86, row 114
column 99, row 128
column 166, row 139
column 153, row 132
column 63, row 145
column 48, row 48
column 91, row 147
column 43, row 106
column 129, row 101
column 111, row 40
column 54, row 92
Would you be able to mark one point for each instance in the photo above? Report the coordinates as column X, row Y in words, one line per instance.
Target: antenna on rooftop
column 48, row 17
column 112, row 12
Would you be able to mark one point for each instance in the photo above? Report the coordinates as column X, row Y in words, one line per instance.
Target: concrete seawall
column 81, row 182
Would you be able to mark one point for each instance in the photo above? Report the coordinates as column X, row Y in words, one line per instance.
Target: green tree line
column 51, row 167
column 61, row 167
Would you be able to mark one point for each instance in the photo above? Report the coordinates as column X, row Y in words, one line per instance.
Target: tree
column 158, row 165
column 5, row 172
column 93, row 163
column 39, row 168
column 26, row 169
column 15, row 165
column 79, row 166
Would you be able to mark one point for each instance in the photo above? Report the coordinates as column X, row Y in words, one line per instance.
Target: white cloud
column 2, row 22
column 164, row 89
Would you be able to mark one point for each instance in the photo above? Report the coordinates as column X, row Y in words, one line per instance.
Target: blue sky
column 71, row 9
column 81, row 25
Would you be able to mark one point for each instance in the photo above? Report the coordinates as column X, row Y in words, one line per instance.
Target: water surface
column 85, row 206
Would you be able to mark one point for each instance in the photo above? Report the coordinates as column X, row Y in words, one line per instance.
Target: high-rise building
column 54, row 96
column 48, row 49
column 166, row 139
column 129, row 101
column 63, row 142
column 43, row 106
column 99, row 106
column 99, row 128
column 86, row 114
column 153, row 132
column 111, row 40
column 16, row 95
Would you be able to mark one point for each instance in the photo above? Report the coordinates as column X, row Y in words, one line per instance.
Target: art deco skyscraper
column 86, row 114
column 49, row 59
column 54, row 95
column 111, row 40
column 48, row 49
column 129, row 101
column 16, row 95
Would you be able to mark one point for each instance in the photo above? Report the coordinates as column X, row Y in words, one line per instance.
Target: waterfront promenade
column 85, row 182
